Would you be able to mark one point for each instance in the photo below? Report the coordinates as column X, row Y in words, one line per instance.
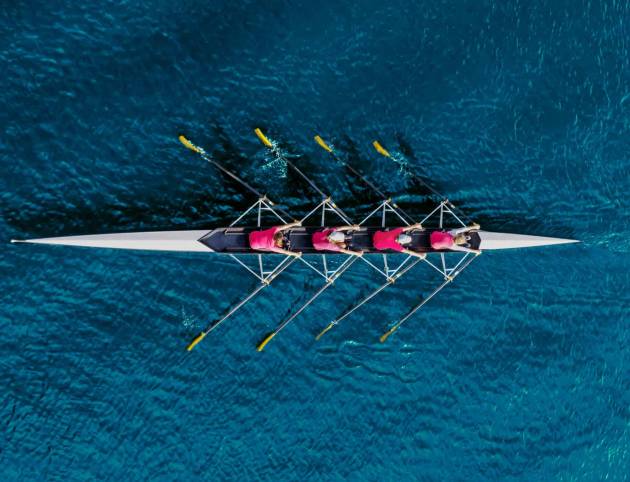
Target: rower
column 334, row 239
column 455, row 239
column 272, row 239
column 396, row 239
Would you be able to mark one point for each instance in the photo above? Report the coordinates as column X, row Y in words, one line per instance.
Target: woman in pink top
column 454, row 240
column 333, row 239
column 396, row 239
column 272, row 239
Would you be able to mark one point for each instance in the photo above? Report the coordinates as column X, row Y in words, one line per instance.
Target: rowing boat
column 233, row 241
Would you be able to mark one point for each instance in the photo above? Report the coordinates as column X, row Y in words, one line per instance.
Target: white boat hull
column 188, row 241
column 491, row 241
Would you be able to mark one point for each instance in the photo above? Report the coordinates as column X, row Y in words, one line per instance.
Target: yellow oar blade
column 263, row 138
column 386, row 335
column 321, row 142
column 380, row 149
column 324, row 331
column 189, row 144
column 262, row 344
column 196, row 341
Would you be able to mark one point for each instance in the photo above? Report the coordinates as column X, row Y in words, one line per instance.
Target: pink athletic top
column 441, row 240
column 387, row 240
column 321, row 243
column 263, row 240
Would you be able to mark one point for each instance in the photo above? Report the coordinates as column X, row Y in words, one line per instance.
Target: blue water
column 518, row 111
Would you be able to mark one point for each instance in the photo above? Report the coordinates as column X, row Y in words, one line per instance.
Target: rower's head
column 278, row 239
column 403, row 239
column 336, row 237
column 461, row 239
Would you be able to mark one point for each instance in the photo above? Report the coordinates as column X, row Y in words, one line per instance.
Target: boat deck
column 236, row 240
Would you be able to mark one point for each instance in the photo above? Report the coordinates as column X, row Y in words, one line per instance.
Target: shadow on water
column 512, row 221
column 198, row 207
column 157, row 213
column 407, row 151
column 361, row 194
column 203, row 210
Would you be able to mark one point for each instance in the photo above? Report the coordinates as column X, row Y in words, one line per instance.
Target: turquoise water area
column 518, row 111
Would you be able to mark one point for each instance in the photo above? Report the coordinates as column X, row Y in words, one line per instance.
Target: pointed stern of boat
column 183, row 241
column 490, row 240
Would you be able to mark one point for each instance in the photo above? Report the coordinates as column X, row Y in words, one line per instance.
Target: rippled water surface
column 518, row 111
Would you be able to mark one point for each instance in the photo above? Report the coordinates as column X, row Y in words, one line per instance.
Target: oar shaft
column 284, row 264
column 330, row 150
column 358, row 174
column 378, row 290
column 204, row 155
column 413, row 175
column 225, row 171
column 384, row 152
column 305, row 177
column 303, row 307
column 363, row 301
column 267, row 143
column 232, row 175
column 235, row 308
column 438, row 194
column 344, row 267
column 368, row 298
column 381, row 150
column 421, row 304
column 433, row 293
column 328, row 284
column 310, row 182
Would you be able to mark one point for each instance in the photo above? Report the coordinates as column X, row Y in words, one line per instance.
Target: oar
column 266, row 282
column 389, row 282
column 384, row 152
column 329, row 149
column 344, row 267
column 366, row 181
column 273, row 147
column 277, row 152
column 205, row 156
column 426, row 300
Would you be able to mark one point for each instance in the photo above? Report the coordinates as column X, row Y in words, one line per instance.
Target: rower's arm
column 414, row 253
column 456, row 231
column 463, row 229
column 350, row 252
column 412, row 227
column 289, row 226
column 287, row 252
column 348, row 228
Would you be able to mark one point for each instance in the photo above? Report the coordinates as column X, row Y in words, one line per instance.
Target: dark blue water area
column 518, row 111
